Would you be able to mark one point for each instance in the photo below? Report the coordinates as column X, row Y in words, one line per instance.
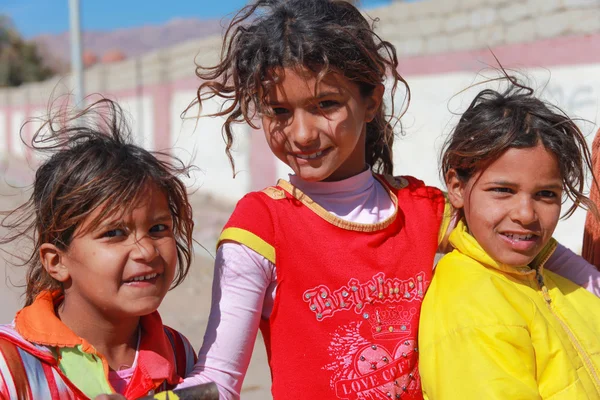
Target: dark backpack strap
column 179, row 351
column 11, row 355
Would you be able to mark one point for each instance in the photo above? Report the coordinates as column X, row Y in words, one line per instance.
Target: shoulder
column 257, row 201
column 416, row 198
column 258, row 206
column 459, row 275
column 412, row 185
column 466, row 294
column 9, row 334
column 254, row 221
column 16, row 359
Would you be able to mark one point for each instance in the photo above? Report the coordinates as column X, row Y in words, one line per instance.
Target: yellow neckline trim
column 335, row 220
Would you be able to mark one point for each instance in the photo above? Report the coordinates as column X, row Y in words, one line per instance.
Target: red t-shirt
column 346, row 313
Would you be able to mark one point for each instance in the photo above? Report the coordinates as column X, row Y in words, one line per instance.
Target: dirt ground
column 186, row 308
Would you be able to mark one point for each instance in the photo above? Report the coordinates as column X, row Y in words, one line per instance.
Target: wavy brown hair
column 515, row 118
column 91, row 162
column 323, row 36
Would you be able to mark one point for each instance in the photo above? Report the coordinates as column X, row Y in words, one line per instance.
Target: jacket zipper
column 574, row 341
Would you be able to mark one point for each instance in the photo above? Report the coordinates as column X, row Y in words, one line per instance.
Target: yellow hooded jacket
column 491, row 331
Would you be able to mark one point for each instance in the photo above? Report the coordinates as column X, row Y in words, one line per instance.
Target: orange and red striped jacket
column 29, row 360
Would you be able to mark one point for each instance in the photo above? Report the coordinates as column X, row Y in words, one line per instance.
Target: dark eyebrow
column 327, row 94
column 502, row 183
column 162, row 218
column 552, row 186
column 319, row 96
column 108, row 225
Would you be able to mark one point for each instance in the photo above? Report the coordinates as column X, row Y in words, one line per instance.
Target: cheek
column 482, row 213
column 551, row 215
column 274, row 134
column 168, row 251
column 343, row 123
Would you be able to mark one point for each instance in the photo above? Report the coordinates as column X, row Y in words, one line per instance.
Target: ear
column 374, row 102
column 51, row 258
column 456, row 189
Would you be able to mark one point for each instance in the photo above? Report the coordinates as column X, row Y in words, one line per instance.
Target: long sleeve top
column 245, row 283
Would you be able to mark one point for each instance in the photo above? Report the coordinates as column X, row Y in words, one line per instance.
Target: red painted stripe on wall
column 565, row 50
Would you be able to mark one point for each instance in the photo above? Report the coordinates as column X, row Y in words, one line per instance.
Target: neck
column 114, row 338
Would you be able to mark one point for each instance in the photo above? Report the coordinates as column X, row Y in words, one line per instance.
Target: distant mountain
column 132, row 41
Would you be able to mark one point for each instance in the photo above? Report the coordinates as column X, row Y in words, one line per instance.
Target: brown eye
column 159, row 228
column 547, row 193
column 114, row 233
column 279, row 111
column 328, row 104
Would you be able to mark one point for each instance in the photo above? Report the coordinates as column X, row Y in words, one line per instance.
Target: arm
column 575, row 268
column 490, row 362
column 242, row 278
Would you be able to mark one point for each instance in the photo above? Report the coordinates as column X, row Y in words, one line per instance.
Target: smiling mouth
column 311, row 156
column 519, row 238
column 142, row 278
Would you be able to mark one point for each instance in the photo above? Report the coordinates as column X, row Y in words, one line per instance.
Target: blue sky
column 34, row 17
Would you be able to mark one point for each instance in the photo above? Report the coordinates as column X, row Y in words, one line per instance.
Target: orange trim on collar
column 39, row 324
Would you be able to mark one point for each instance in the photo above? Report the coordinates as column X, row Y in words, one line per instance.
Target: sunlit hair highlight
column 496, row 121
column 323, row 36
column 90, row 163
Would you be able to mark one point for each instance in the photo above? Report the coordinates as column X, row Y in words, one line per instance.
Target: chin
column 517, row 260
column 139, row 309
column 312, row 176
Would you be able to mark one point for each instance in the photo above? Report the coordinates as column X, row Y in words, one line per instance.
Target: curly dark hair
column 92, row 162
column 514, row 118
column 321, row 35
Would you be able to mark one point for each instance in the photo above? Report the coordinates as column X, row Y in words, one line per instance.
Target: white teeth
column 519, row 237
column 143, row 278
column 309, row 156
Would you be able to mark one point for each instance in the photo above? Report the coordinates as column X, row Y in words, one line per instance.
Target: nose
column 144, row 249
column 524, row 210
column 304, row 130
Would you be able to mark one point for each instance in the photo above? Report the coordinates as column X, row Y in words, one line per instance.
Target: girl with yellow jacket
column 495, row 324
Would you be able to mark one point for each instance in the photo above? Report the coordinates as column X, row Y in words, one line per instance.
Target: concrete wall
column 442, row 45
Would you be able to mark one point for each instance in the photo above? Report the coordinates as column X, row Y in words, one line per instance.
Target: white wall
column 139, row 111
column 16, row 148
column 3, row 141
column 200, row 141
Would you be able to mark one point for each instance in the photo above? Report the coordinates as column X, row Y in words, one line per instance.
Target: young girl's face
column 125, row 266
column 512, row 206
column 319, row 131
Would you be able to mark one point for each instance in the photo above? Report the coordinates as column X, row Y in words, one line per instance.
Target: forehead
column 123, row 207
column 532, row 165
column 297, row 82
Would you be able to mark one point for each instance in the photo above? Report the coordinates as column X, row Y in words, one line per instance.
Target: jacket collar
column 39, row 324
column 462, row 240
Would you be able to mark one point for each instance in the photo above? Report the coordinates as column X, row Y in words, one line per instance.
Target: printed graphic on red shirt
column 375, row 356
